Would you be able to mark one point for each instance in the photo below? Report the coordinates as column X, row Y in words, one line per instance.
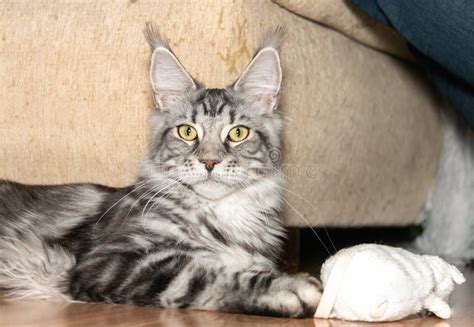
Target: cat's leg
column 252, row 292
column 182, row 281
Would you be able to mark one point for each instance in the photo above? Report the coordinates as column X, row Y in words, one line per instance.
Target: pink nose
column 209, row 164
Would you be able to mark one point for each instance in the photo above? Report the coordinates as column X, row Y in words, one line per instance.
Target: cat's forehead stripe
column 212, row 103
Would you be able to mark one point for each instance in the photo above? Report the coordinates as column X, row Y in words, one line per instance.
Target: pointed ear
column 261, row 80
column 168, row 77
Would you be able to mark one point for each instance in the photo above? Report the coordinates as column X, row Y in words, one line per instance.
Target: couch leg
column 290, row 259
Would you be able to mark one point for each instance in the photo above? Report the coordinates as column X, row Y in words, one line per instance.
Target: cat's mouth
column 213, row 180
column 212, row 189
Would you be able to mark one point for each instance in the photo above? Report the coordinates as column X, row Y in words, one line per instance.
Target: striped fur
column 180, row 237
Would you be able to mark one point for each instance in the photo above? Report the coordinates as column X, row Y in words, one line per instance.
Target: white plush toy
column 372, row 282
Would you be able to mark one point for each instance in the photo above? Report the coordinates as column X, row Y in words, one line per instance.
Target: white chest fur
column 248, row 219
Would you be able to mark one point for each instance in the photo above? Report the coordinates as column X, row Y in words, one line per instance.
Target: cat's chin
column 212, row 190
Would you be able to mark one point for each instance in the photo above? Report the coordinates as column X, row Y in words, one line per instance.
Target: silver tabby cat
column 199, row 229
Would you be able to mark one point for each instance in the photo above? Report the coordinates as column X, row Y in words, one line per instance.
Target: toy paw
column 457, row 276
column 438, row 307
column 379, row 310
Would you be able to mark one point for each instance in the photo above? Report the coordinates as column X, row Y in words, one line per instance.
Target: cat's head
column 215, row 141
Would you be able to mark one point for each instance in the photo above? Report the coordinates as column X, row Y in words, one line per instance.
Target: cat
column 201, row 226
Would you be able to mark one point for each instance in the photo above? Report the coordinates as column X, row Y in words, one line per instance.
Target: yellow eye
column 187, row 132
column 238, row 133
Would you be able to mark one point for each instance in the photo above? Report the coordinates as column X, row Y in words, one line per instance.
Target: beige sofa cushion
column 362, row 138
column 348, row 19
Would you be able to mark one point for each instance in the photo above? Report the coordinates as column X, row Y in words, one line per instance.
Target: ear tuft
column 169, row 78
column 274, row 38
column 154, row 38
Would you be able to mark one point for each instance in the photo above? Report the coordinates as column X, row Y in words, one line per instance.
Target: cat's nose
column 209, row 164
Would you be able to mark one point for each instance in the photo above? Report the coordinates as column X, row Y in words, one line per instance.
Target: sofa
column 363, row 135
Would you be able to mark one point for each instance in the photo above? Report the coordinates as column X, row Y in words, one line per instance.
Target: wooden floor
column 51, row 314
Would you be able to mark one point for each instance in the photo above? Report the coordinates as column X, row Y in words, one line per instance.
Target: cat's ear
column 169, row 79
column 261, row 80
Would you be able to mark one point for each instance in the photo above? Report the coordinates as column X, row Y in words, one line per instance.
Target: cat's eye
column 238, row 133
column 187, row 132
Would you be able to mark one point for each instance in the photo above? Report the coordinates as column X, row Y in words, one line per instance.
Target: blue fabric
column 441, row 36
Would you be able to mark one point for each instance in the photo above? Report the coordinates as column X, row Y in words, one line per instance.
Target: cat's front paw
column 294, row 295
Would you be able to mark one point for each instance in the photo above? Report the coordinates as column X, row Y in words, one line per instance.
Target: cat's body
column 200, row 228
column 134, row 252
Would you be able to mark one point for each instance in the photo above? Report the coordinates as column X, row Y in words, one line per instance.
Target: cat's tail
column 30, row 268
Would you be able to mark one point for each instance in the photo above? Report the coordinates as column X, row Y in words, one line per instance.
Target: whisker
column 310, row 204
column 116, row 203
column 139, row 198
column 136, row 201
column 245, row 189
column 166, row 194
column 143, row 217
column 307, row 223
